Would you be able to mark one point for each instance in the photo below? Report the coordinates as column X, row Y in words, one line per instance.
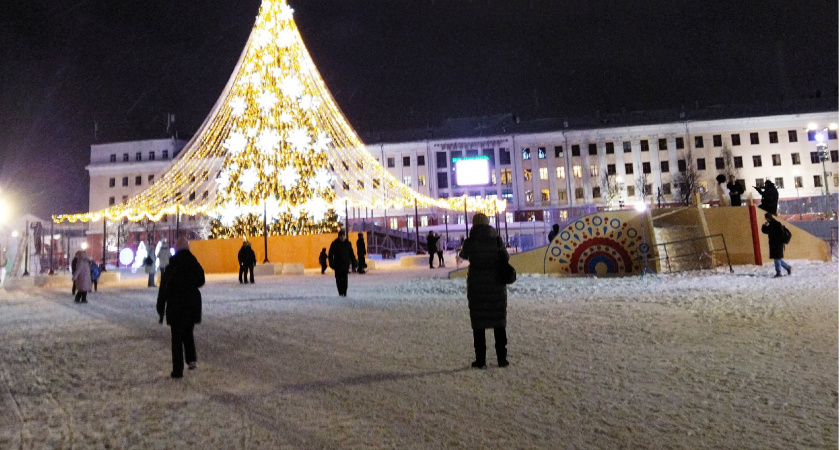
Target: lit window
column 506, row 177
column 543, row 173
column 526, row 153
column 561, row 172
column 545, row 196
column 424, row 221
column 529, row 196
column 421, row 180
column 577, row 171
column 593, row 170
column 407, row 180
column 541, row 153
column 527, row 174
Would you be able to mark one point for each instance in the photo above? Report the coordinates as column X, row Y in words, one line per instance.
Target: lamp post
column 821, row 136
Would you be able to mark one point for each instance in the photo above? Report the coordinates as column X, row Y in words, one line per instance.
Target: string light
column 275, row 141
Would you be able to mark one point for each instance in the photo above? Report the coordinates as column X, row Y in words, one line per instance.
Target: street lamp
column 821, row 137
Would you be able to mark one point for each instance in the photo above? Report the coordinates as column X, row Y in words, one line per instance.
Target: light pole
column 821, row 137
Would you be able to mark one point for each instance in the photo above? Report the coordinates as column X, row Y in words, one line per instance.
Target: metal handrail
column 666, row 261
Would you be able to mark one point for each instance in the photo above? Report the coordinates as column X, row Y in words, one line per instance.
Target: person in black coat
column 769, row 197
column 361, row 252
column 555, row 230
column 322, row 259
column 735, row 191
column 179, row 300
column 247, row 261
column 431, row 247
column 341, row 258
column 773, row 229
column 486, row 295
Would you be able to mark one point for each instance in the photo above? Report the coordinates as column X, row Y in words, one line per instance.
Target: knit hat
column 480, row 219
column 182, row 244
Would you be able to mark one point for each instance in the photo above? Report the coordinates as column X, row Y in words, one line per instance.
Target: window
column 151, row 156
column 506, row 177
column 440, row 159
column 576, row 150
column 663, row 144
column 717, row 141
column 610, row 148
column 421, row 180
column 391, row 162
column 113, row 157
column 610, row 169
column 792, row 136
column 124, row 198
column 596, row 192
column 406, row 161
column 777, row 160
column 138, row 180
column 504, row 156
column 774, row 137
column 395, row 223
column 593, row 170
column 442, row 180
column 192, row 196
column 541, row 153
column 754, row 138
column 138, row 156
column 628, row 168
column 681, row 165
column 407, row 180
column 666, row 188
column 719, row 164
column 797, row 182
column 560, row 172
column 663, row 166
column 815, row 158
column 736, row 139
column 579, row 193
column 833, row 154
column 701, row 163
column 526, row 153
column 593, row 149
column 543, row 173
column 627, row 146
column 507, row 194
column 472, row 153
column 421, row 160
column 817, row 181
column 759, row 182
column 738, row 161
column 558, row 151
column 679, row 143
column 164, row 154
column 794, row 159
column 527, row 173
column 455, row 154
column 756, row 160
column 561, row 194
column 631, row 191
column 112, row 182
column 125, row 157
column 375, row 183
column 577, row 172
column 488, row 152
column 150, row 179
column 645, row 167
column 780, row 183
column 698, row 141
column 360, row 184
column 545, row 197
column 424, row 221
column 645, row 145
column 111, row 201
column 648, row 188
column 125, row 181
column 529, row 196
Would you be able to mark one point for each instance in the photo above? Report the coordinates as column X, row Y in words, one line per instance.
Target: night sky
column 65, row 65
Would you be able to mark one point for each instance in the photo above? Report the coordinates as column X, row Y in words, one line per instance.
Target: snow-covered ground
column 672, row 361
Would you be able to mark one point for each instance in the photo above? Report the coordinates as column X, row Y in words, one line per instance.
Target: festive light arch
column 275, row 143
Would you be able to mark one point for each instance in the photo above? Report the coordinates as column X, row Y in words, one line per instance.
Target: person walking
column 94, row 275
column 247, row 261
column 322, row 259
column 440, row 246
column 555, row 230
column 769, row 197
column 73, row 265
column 776, row 238
column 81, row 277
column 149, row 267
column 179, row 300
column 486, row 294
column 431, row 247
column 361, row 252
column 735, row 191
column 341, row 258
column 163, row 256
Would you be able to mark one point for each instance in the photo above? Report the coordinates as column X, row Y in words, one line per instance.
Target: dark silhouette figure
column 361, row 252
column 431, row 247
column 775, row 237
column 179, row 300
column 555, row 230
column 769, row 197
column 73, row 264
column 440, row 246
column 341, row 258
column 247, row 261
column 735, row 191
column 322, row 259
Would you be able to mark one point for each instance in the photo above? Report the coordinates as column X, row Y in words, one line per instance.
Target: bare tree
column 728, row 161
column 610, row 190
column 688, row 183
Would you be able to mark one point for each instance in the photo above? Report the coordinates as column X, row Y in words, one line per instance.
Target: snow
column 691, row 360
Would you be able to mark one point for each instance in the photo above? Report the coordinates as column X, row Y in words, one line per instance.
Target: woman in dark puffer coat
column 486, row 295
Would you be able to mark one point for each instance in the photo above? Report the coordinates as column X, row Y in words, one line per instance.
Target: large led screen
column 472, row 171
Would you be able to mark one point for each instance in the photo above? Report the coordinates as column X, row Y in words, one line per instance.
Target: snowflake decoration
column 251, row 132
column 321, row 142
column 262, row 37
column 323, row 179
column 249, row 179
column 272, row 207
column 317, row 208
column 291, row 86
column 286, row 117
column 268, row 140
column 286, row 12
column 289, row 177
column 268, row 171
column 238, row 106
column 267, row 100
column 285, row 38
column 236, row 142
column 299, row 139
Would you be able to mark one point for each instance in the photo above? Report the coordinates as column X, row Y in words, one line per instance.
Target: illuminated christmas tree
column 277, row 146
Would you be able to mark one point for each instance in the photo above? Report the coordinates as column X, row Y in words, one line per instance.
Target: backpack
column 785, row 235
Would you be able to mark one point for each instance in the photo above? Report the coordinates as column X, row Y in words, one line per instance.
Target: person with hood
column 440, row 246
column 776, row 240
column 361, row 252
column 149, row 268
column 555, row 230
column 179, row 300
column 769, row 197
column 94, row 274
column 163, row 256
column 247, row 261
column 81, row 277
column 322, row 259
column 431, row 247
column 486, row 294
column 341, row 258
